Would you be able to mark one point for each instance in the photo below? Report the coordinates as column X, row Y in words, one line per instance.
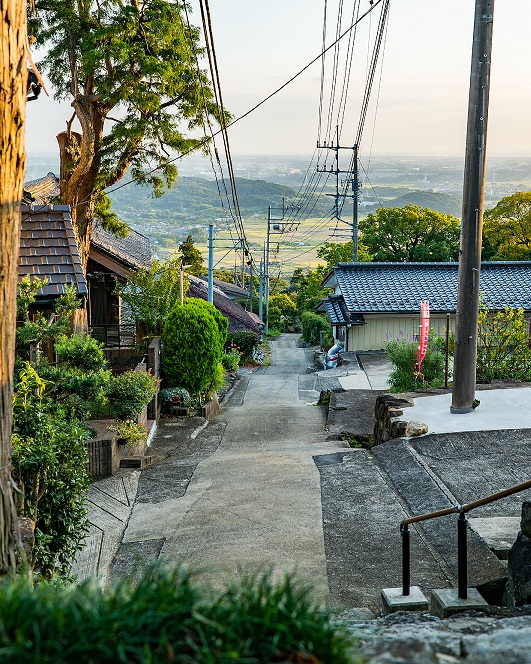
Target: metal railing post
column 462, row 572
column 406, row 570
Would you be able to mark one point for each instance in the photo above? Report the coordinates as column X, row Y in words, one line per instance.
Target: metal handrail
column 461, row 510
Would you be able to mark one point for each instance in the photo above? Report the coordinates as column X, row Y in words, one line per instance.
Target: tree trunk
column 13, row 77
column 80, row 163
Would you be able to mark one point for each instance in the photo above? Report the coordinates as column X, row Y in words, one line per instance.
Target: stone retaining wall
column 388, row 414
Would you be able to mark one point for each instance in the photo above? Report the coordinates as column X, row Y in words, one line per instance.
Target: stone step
column 136, row 461
column 421, row 491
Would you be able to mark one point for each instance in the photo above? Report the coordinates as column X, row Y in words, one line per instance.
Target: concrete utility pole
column 337, row 196
column 211, row 263
column 463, row 394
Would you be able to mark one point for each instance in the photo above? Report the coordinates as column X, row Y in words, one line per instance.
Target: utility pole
column 211, row 263
column 463, row 393
column 261, row 292
column 340, row 195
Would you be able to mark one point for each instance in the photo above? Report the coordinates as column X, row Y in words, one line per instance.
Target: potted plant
column 129, row 433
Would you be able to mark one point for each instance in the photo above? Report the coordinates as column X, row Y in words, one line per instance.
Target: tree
column 151, row 294
column 13, row 79
column 411, row 234
column 138, row 61
column 341, row 252
column 507, row 228
column 307, row 287
column 191, row 256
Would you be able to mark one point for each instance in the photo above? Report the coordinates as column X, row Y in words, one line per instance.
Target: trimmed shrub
column 129, row 392
column 403, row 354
column 312, row 326
column 192, row 346
column 245, row 340
column 221, row 320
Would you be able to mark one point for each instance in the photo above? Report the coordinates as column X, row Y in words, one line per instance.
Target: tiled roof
column 133, row 250
column 231, row 289
column 400, row 287
column 236, row 314
column 42, row 190
column 48, row 249
column 337, row 312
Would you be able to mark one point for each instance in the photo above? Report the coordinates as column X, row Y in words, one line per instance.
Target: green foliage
column 183, row 395
column 507, row 228
column 50, row 468
column 221, row 321
column 402, row 352
column 307, row 288
column 245, row 340
column 341, row 252
column 130, row 431
column 411, row 233
column 27, row 290
column 231, row 358
column 134, row 60
column 192, row 346
column 129, row 392
column 151, row 294
column 312, row 326
column 191, row 256
column 166, row 616
column 80, row 351
column 282, row 310
column 42, row 327
column 503, row 346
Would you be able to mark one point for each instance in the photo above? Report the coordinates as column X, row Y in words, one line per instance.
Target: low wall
column 103, row 450
column 389, row 422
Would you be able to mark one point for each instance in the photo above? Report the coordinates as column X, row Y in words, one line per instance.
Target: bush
column 221, row 320
column 164, row 616
column 192, row 347
column 231, row 359
column 403, row 354
column 312, row 326
column 50, row 468
column 503, row 346
column 245, row 340
column 129, row 392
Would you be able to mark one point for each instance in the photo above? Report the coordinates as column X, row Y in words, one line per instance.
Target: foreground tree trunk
column 13, row 76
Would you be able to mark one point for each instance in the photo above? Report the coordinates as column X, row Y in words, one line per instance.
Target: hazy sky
column 424, row 82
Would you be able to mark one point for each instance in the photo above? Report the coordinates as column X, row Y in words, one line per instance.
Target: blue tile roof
column 400, row 287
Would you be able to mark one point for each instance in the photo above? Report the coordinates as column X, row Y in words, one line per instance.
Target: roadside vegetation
column 166, row 616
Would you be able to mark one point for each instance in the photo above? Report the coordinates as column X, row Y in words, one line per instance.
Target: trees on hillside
column 13, row 78
column 507, row 228
column 411, row 233
column 130, row 72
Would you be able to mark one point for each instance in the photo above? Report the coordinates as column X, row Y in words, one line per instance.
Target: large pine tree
column 130, row 71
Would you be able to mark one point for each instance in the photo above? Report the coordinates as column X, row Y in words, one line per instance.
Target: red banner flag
column 424, row 332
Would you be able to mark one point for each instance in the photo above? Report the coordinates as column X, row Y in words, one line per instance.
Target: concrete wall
column 379, row 328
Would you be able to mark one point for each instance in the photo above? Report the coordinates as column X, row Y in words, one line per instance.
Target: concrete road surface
column 254, row 502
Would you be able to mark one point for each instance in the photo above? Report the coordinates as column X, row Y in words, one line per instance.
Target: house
column 112, row 259
column 372, row 302
column 48, row 250
column 239, row 319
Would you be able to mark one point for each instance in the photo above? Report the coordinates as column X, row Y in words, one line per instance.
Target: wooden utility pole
column 463, row 394
column 13, row 80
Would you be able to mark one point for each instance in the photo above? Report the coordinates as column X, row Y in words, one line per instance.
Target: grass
column 166, row 617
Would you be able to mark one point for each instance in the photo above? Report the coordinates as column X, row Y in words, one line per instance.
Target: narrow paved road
column 255, row 502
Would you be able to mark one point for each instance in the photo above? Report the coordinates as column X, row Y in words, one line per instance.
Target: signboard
column 424, row 332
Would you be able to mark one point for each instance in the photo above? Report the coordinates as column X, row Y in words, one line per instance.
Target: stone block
column 136, row 462
column 519, row 566
column 393, row 600
column 416, row 429
column 445, row 602
column 525, row 523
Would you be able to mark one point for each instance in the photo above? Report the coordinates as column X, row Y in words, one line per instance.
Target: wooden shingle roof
column 48, row 249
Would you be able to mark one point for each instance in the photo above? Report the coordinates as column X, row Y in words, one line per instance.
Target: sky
column 422, row 87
